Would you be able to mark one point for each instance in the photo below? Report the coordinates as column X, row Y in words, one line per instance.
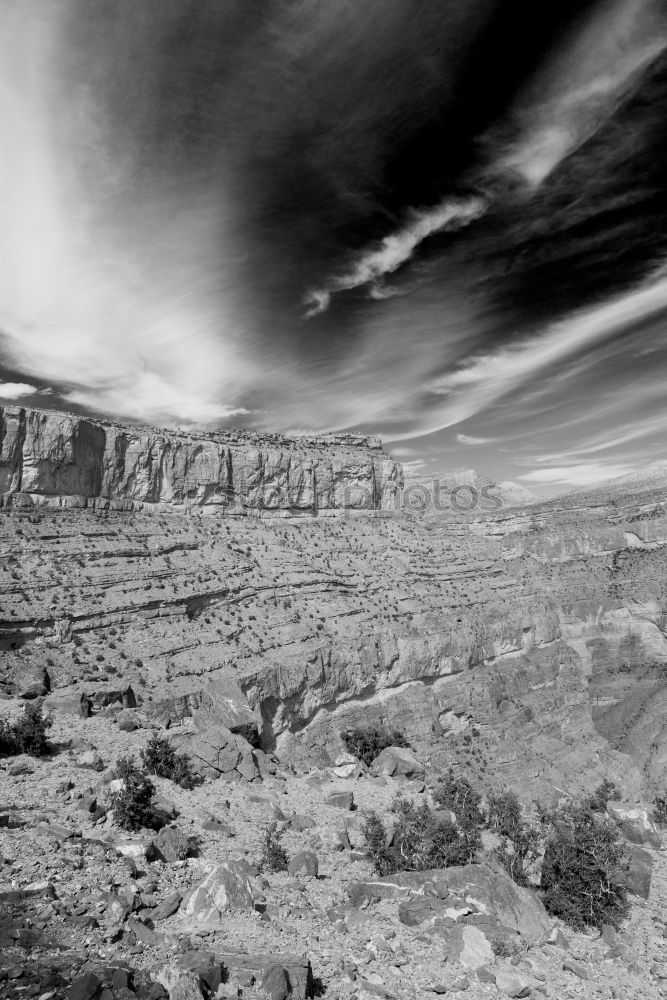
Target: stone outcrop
column 82, row 461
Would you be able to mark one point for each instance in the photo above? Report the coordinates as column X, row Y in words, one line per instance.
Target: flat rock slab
column 59, row 833
column 167, row 907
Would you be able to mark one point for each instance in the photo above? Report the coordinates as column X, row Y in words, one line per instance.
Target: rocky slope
column 90, row 912
column 53, row 458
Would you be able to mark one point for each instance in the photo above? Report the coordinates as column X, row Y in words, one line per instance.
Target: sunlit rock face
column 59, row 459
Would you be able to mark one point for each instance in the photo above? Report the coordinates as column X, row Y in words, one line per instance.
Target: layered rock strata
column 53, row 458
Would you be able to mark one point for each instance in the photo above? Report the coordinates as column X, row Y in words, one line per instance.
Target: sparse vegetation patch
column 367, row 742
column 160, row 758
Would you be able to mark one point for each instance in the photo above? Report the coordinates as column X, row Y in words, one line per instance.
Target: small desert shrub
column 583, row 877
column 504, row 814
column 504, row 947
column 420, row 841
column 7, row 745
column 160, row 758
column 133, row 805
column 274, row 856
column 367, row 742
column 457, row 794
column 660, row 809
column 605, row 792
column 27, row 734
column 520, row 846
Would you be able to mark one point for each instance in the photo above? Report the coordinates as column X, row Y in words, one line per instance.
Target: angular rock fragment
column 225, row 889
column 341, row 799
column 303, row 863
column 397, row 762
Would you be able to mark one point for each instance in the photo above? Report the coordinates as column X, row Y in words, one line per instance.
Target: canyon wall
column 59, row 459
column 528, row 646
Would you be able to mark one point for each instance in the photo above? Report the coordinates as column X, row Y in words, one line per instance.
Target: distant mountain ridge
column 620, row 487
column 510, row 494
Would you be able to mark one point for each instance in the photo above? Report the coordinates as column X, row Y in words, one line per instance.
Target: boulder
column 167, row 907
column 138, row 931
column 397, row 762
column 225, row 889
column 635, row 825
column 85, row 987
column 468, row 946
column 205, row 965
column 90, row 758
column 493, row 893
column 340, row 799
column 512, row 984
column 87, row 803
column 138, row 850
column 275, row 983
column 172, row 844
column 474, row 894
column 181, row 984
column 640, row 870
column 216, row 752
column 29, row 679
column 261, row 969
column 221, row 702
column 59, row 833
column 299, row 822
column 218, row 703
column 303, row 863
column 128, row 721
column 266, row 765
column 577, row 969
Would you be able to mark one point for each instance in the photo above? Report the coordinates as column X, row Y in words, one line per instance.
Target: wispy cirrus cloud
column 480, row 380
column 608, row 440
column 579, row 475
column 396, row 249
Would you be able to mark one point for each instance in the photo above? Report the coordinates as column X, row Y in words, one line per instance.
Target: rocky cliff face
column 51, row 458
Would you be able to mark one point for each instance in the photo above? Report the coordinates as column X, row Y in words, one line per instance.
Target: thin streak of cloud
column 579, row 475
column 397, row 248
column 604, row 442
column 468, row 439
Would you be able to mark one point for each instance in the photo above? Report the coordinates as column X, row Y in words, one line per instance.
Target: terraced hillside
column 457, row 641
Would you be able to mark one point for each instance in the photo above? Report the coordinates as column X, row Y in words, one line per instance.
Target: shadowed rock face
column 51, row 458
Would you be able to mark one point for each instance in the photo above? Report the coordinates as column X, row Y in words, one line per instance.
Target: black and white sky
column 438, row 221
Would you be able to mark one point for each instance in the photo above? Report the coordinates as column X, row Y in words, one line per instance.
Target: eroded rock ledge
column 58, row 459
